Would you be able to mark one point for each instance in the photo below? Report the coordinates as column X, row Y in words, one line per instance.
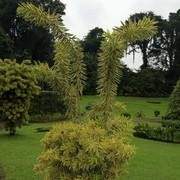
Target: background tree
column 148, row 45
column 28, row 41
column 91, row 44
column 174, row 21
column 166, row 55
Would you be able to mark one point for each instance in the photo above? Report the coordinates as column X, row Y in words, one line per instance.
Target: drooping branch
column 68, row 54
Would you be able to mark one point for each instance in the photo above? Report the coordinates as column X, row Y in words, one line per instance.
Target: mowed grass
column 134, row 104
column 153, row 160
column 18, row 153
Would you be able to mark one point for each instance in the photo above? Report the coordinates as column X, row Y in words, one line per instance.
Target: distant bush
column 140, row 114
column 126, row 114
column 156, row 113
column 89, row 106
column 47, row 102
column 143, row 130
column 171, row 123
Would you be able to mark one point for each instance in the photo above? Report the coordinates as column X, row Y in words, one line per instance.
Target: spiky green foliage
column 68, row 66
column 86, row 151
column 173, row 111
column 131, row 31
column 112, row 50
column 17, row 85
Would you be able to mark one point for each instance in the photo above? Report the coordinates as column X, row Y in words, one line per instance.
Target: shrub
column 171, row 123
column 154, row 102
column 17, row 86
column 85, row 151
column 159, row 133
column 89, row 106
column 47, row 102
column 126, row 114
column 169, row 133
column 140, row 114
column 41, row 118
column 143, row 130
column 156, row 113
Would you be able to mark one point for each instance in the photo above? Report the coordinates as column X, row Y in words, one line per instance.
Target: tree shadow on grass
column 1, row 174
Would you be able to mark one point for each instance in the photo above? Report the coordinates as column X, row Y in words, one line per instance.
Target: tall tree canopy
column 148, row 45
column 26, row 41
column 91, row 44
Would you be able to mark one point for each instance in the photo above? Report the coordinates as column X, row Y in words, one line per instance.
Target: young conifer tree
column 173, row 111
column 86, row 150
column 112, row 50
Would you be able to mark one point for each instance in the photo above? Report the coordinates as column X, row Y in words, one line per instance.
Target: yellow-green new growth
column 112, row 50
column 68, row 66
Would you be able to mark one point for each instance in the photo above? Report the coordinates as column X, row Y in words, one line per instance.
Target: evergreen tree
column 173, row 111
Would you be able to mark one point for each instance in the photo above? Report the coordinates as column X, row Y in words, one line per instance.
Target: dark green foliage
column 173, row 111
column 86, row 151
column 159, row 133
column 91, row 44
column 6, row 45
column 156, row 113
column 22, row 40
column 126, row 114
column 145, row 46
column 47, row 102
column 148, row 82
column 154, row 102
column 151, row 83
column 42, row 118
column 171, row 123
column 43, row 129
column 140, row 114
column 143, row 130
column 17, row 86
column 89, row 106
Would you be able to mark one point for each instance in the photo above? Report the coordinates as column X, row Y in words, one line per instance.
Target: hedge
column 47, row 102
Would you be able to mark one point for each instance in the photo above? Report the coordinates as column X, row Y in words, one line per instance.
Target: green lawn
column 134, row 104
column 153, row 160
column 18, row 153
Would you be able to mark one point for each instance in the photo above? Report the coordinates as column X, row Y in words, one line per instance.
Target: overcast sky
column 84, row 15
